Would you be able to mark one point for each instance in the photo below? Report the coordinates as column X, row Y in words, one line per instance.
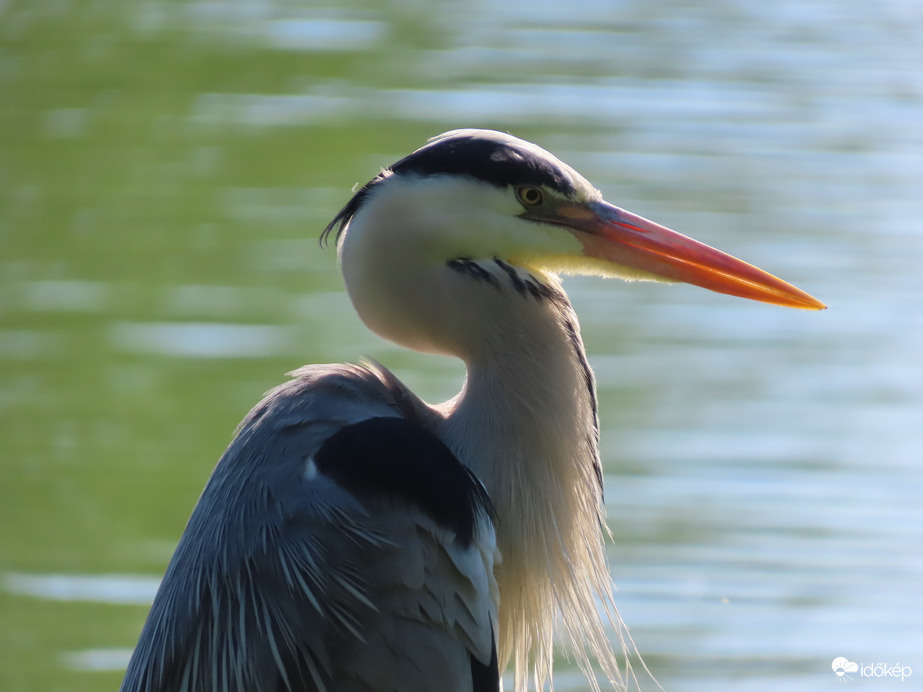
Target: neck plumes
column 526, row 423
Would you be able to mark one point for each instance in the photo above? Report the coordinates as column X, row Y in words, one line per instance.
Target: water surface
column 166, row 169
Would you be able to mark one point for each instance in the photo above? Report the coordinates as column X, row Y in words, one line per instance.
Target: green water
column 166, row 170
column 110, row 196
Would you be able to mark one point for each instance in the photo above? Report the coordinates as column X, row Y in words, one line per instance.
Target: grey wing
column 337, row 546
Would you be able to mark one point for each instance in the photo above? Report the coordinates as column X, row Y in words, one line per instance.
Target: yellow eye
column 530, row 196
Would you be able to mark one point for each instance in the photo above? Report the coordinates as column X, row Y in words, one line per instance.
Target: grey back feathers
column 337, row 546
column 345, row 541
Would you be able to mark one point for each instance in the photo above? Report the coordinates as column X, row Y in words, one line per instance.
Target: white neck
column 525, row 421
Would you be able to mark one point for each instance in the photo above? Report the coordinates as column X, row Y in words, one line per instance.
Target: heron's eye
column 530, row 196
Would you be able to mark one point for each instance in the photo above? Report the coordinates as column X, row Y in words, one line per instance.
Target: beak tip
column 808, row 302
column 620, row 237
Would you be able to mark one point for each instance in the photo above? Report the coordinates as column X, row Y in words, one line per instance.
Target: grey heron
column 353, row 537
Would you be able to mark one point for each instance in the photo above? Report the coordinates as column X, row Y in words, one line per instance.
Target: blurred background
column 166, row 169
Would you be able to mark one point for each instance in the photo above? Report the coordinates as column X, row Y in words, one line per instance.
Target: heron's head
column 480, row 195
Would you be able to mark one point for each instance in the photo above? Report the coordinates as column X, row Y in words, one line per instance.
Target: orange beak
column 615, row 235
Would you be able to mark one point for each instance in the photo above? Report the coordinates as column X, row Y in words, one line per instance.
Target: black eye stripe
column 490, row 157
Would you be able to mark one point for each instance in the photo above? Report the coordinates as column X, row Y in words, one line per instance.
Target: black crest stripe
column 490, row 157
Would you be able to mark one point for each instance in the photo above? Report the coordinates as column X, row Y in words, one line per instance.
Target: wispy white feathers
column 285, row 579
column 526, row 419
column 526, row 423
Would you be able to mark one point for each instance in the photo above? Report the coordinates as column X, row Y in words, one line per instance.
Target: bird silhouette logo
column 842, row 667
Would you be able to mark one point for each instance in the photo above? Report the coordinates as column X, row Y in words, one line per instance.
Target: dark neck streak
column 526, row 423
column 528, row 286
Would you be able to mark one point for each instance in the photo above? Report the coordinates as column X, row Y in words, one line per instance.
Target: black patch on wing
column 482, row 155
column 396, row 458
column 486, row 678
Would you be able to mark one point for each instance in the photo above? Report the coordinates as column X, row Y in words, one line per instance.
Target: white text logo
column 846, row 670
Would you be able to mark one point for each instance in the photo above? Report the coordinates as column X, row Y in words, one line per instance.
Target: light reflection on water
column 763, row 466
column 100, row 588
column 202, row 340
